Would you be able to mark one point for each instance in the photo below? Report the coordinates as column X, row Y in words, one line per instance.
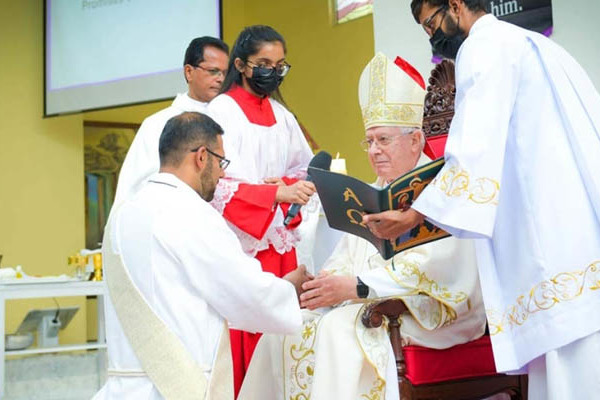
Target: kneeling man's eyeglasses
column 223, row 162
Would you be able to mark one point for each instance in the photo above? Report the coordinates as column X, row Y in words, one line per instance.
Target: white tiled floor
column 54, row 377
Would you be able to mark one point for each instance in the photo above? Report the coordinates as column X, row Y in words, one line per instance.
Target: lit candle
column 338, row 165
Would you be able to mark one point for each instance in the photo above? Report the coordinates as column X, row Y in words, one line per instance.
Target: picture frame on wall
column 105, row 147
column 348, row 10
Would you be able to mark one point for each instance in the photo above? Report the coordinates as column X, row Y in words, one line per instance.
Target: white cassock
column 522, row 174
column 336, row 357
column 191, row 270
column 142, row 158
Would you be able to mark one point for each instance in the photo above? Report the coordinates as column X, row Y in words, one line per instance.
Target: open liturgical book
column 345, row 200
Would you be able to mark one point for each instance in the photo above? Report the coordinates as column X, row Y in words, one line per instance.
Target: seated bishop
column 335, row 356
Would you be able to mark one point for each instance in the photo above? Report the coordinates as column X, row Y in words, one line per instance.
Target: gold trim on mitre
column 388, row 96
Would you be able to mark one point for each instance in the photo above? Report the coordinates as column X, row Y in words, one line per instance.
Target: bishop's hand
column 391, row 224
column 327, row 290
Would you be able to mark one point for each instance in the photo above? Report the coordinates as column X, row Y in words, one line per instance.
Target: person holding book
column 521, row 176
column 438, row 281
column 269, row 156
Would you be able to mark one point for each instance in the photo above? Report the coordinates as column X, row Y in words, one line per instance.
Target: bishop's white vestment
column 335, row 356
column 142, row 157
column 522, row 176
column 191, row 270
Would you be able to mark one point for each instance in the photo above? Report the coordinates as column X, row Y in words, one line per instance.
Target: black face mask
column 264, row 81
column 446, row 45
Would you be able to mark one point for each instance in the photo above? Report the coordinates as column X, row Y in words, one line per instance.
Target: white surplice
column 315, row 229
column 192, row 272
column 522, row 175
column 258, row 152
column 335, row 356
column 142, row 157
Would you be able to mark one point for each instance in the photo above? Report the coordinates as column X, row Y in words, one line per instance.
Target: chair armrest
column 391, row 309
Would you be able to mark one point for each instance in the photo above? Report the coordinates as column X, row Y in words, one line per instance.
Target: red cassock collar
column 258, row 110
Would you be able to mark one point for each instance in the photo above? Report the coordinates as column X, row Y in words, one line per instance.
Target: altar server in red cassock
column 269, row 156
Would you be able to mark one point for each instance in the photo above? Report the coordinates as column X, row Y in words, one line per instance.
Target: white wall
column 397, row 34
column 576, row 28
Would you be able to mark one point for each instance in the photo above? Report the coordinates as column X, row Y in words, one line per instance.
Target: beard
column 452, row 27
column 208, row 185
column 447, row 40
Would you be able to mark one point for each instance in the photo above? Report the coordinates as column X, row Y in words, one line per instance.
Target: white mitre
column 389, row 94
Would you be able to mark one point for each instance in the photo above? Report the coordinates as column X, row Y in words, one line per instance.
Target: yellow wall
column 326, row 60
column 41, row 164
column 41, row 160
column 322, row 86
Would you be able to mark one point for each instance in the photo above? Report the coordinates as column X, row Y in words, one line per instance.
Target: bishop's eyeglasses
column 381, row 142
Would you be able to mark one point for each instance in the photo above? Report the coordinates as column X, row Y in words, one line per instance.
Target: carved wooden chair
column 439, row 107
column 465, row 371
column 462, row 372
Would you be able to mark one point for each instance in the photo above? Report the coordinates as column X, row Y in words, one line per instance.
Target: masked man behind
column 336, row 357
column 521, row 176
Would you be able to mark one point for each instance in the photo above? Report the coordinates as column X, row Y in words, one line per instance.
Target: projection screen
column 106, row 53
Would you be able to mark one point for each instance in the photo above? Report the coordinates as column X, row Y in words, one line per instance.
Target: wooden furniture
column 464, row 388
column 439, row 108
column 439, row 100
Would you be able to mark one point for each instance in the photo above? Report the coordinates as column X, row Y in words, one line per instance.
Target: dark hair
column 183, row 133
column 248, row 43
column 194, row 54
column 417, row 5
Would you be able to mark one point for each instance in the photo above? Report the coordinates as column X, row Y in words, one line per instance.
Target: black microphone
column 322, row 161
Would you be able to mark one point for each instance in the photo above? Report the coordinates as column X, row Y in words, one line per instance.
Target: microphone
column 322, row 161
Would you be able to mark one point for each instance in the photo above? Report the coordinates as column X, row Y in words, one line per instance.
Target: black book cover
column 346, row 199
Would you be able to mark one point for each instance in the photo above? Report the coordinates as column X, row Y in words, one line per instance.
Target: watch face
column 362, row 290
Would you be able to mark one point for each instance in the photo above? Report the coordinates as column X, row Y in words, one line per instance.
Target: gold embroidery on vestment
column 408, row 274
column 377, row 391
column 303, row 368
column 409, row 270
column 372, row 342
column 456, row 182
column 563, row 287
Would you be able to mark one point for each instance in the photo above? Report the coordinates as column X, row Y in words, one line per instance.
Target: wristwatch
column 362, row 290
